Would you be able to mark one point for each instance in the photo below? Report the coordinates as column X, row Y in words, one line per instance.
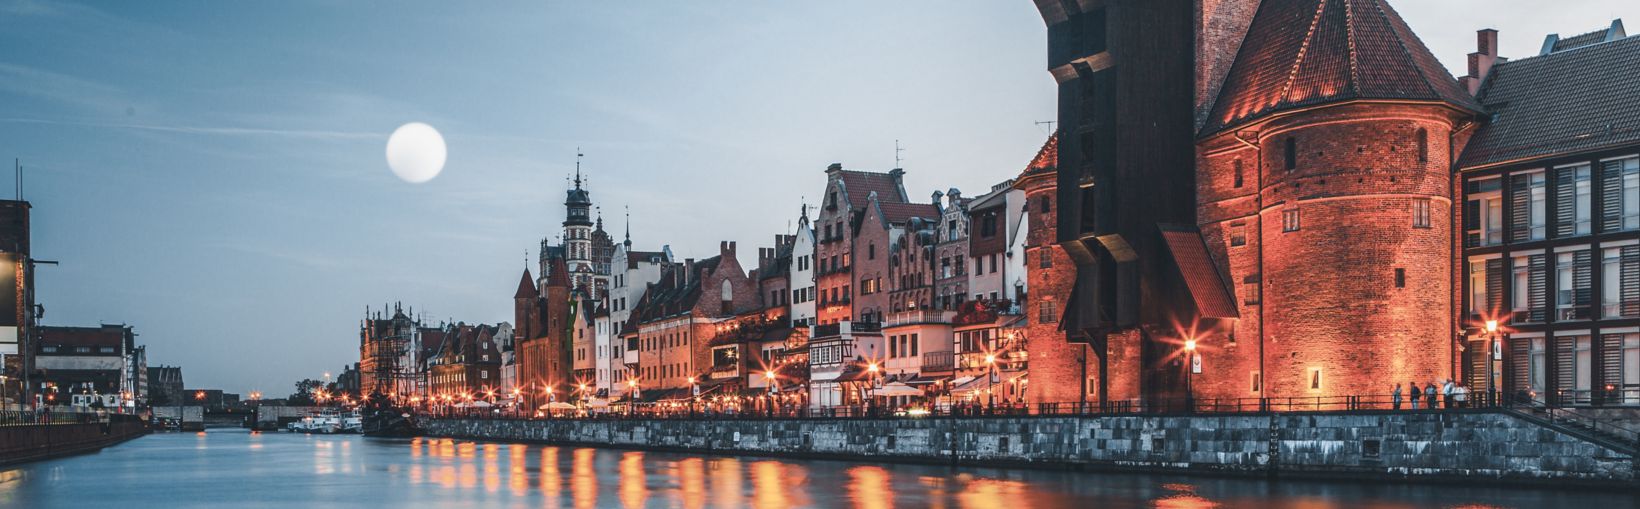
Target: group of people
column 1450, row 394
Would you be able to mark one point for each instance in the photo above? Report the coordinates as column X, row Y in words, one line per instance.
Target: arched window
column 1423, row 145
column 728, row 290
column 1291, row 155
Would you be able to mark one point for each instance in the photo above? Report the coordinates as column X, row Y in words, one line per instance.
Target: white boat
column 327, row 421
column 352, row 422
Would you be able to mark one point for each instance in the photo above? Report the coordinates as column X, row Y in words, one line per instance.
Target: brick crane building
column 1283, row 201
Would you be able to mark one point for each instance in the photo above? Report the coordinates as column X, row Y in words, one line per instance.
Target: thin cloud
column 211, row 131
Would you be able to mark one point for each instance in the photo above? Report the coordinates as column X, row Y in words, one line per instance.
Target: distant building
column 801, row 279
column 468, row 364
column 543, row 332
column 165, row 385
column 18, row 312
column 585, row 248
column 84, row 365
column 634, row 272
column 388, row 352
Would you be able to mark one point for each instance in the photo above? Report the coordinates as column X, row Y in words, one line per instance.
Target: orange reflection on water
column 584, row 478
column 690, row 474
column 937, row 490
column 518, row 478
column 552, row 483
column 634, row 486
column 868, row 487
column 769, row 485
column 1183, row 497
column 726, row 479
column 989, row 492
column 492, row 468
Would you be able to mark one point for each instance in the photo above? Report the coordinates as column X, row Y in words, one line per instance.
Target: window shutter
column 1565, row 365
column 1494, row 286
column 1537, row 295
column 1520, row 364
column 1566, row 202
column 1611, row 196
column 1582, row 283
column 1479, row 362
column 1630, row 280
column 1611, row 359
column 1520, row 207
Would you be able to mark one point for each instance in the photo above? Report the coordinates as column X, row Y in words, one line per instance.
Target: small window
column 1238, row 234
column 1291, row 153
column 1047, row 206
column 1046, row 258
column 1400, row 278
column 1258, row 382
column 1315, row 379
column 1420, row 213
column 1289, row 220
column 1238, row 177
column 1045, row 313
column 871, row 252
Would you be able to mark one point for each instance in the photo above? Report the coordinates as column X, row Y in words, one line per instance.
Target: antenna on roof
column 1048, row 123
column 578, row 155
column 897, row 151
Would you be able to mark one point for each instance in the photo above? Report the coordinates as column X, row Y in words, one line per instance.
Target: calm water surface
column 239, row 469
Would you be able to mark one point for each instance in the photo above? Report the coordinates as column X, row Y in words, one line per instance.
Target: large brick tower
column 1059, row 368
column 1325, row 192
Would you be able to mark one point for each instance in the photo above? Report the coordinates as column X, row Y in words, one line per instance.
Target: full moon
column 416, row 152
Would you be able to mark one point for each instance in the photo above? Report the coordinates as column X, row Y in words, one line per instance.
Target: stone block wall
column 1481, row 446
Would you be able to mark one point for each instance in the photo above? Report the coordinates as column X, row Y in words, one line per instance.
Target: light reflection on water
column 283, row 470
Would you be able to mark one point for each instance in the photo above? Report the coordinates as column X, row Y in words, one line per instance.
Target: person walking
column 1447, row 392
column 1429, row 396
column 1416, row 394
column 1396, row 396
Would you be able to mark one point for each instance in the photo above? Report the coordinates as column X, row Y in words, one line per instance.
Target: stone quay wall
column 1483, row 446
column 34, row 442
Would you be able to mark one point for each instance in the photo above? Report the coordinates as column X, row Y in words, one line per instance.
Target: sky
column 213, row 173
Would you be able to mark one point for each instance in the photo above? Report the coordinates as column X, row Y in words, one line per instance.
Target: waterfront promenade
column 230, row 467
column 1498, row 445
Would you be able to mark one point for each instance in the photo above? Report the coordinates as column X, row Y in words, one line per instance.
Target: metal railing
column 35, row 418
column 754, row 407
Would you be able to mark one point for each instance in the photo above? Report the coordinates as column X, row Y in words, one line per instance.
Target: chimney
column 727, row 248
column 834, row 168
column 688, row 269
column 1482, row 60
column 936, row 198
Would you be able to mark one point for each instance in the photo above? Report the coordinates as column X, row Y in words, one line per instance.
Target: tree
column 304, row 392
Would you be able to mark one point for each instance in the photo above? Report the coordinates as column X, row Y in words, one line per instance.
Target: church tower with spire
column 585, row 247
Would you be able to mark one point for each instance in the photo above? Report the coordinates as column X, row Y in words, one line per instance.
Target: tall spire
column 578, row 155
column 628, row 241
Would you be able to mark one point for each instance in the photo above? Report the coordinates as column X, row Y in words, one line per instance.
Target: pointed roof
column 557, row 273
column 1301, row 53
column 1046, row 161
column 526, row 287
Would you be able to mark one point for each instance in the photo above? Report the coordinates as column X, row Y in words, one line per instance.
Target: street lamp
column 632, row 394
column 1189, row 372
column 694, row 394
column 871, row 377
column 1493, row 359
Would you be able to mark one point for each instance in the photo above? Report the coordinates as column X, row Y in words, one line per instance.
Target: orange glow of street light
column 1491, row 326
column 1190, row 345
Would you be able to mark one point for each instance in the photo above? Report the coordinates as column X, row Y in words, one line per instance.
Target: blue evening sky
column 213, row 173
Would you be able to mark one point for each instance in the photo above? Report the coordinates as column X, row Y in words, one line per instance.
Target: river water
column 235, row 468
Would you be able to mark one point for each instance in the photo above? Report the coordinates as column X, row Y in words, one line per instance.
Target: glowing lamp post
column 990, row 382
column 694, row 394
column 871, row 376
column 1190, row 371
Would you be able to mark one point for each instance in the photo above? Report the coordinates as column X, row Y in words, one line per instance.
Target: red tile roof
column 899, row 213
column 1046, row 160
column 859, row 185
column 526, row 287
column 1200, row 275
column 1301, row 53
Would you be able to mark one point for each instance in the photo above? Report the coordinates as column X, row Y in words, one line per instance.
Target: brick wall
column 1329, row 291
